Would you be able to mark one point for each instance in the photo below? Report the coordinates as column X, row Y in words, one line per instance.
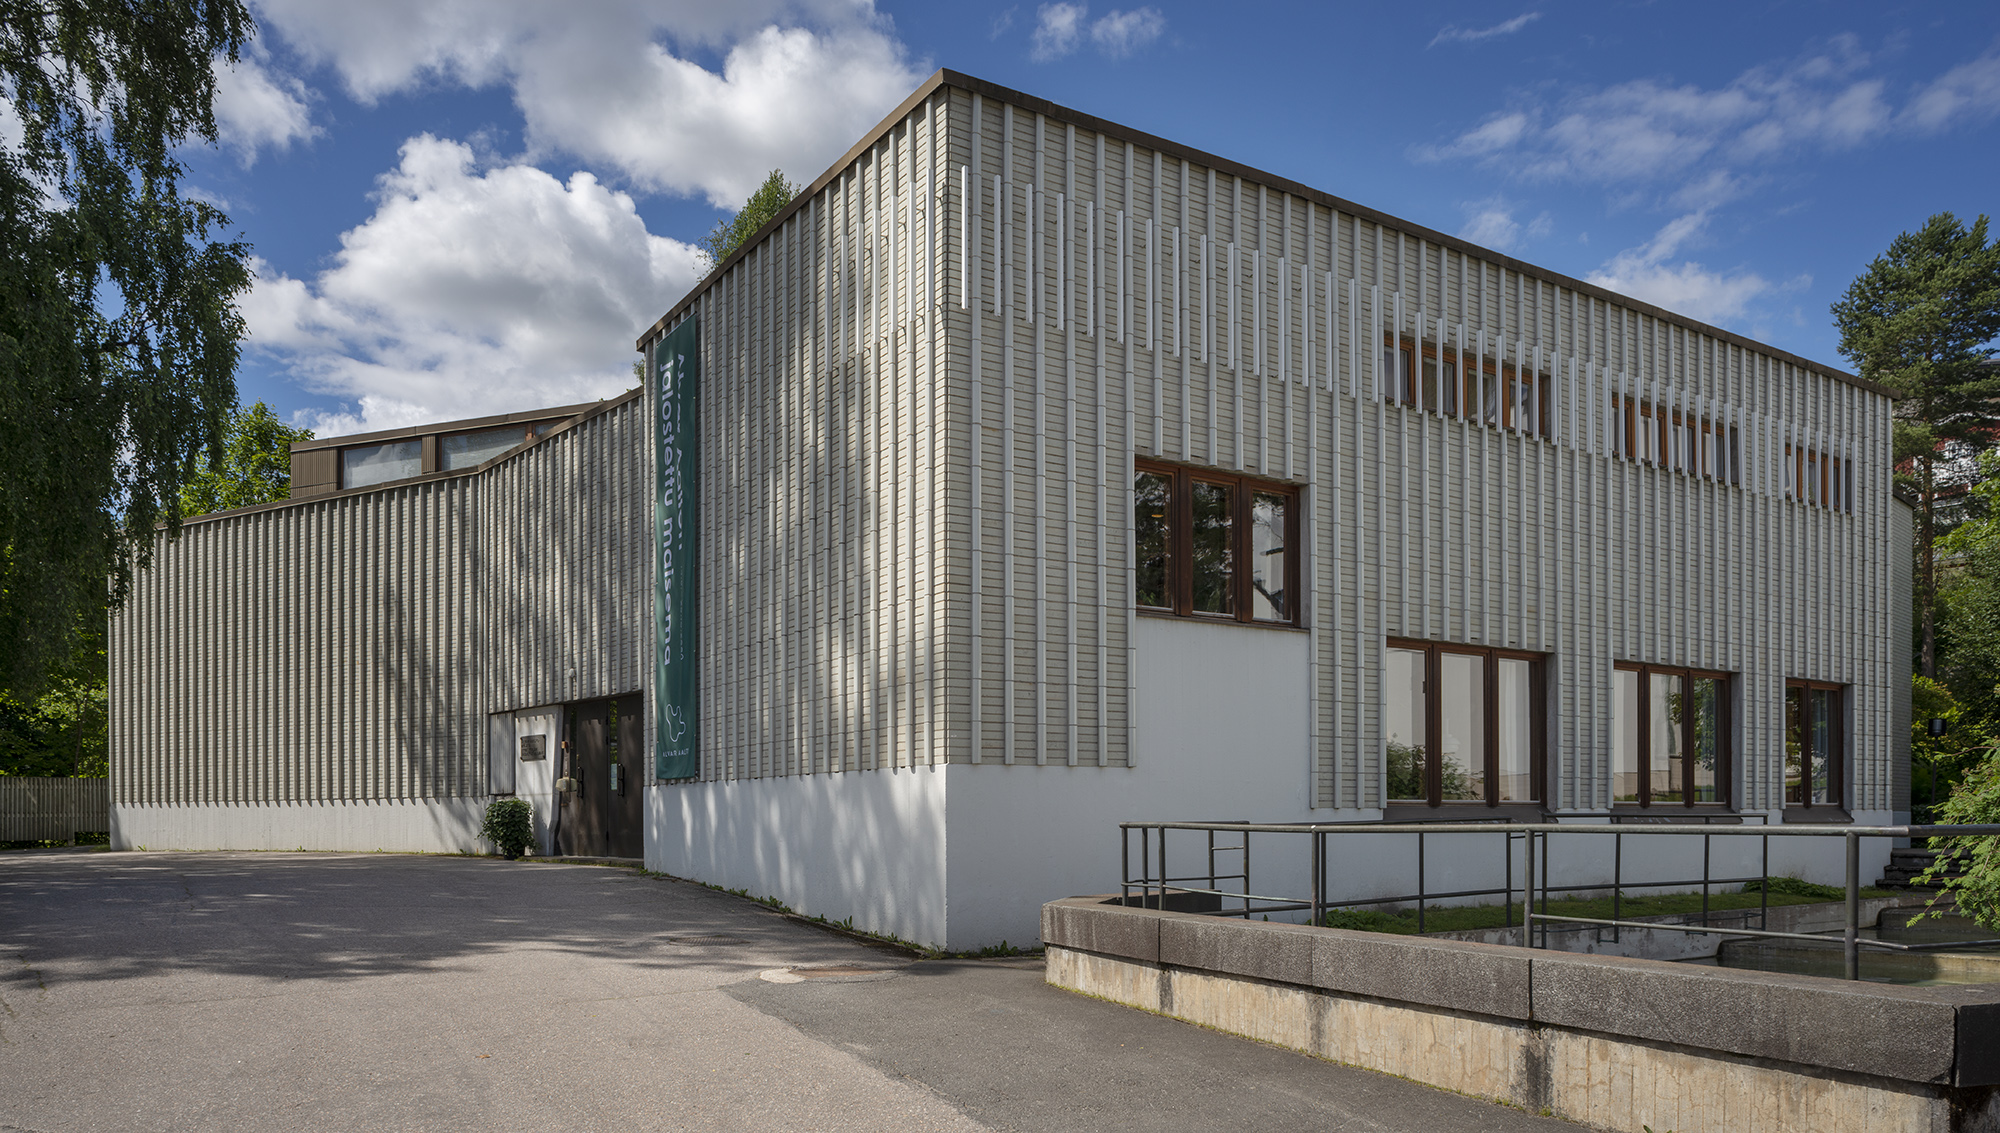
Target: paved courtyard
column 229, row 991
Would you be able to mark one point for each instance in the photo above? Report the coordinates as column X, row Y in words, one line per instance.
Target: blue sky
column 461, row 209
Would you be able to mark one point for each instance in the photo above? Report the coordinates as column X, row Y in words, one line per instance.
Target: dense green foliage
column 118, row 325
column 1977, row 800
column 509, row 825
column 256, row 465
column 1919, row 321
column 63, row 728
column 768, row 201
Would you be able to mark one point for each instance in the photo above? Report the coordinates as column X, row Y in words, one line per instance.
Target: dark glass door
column 603, row 816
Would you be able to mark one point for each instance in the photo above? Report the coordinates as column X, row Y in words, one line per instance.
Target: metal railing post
column 1315, row 847
column 1420, row 883
column 1247, row 887
column 1546, row 855
column 1853, row 907
column 1707, row 840
column 1764, row 886
column 1528, row 892
column 1617, row 886
column 1124, row 865
column 1507, row 857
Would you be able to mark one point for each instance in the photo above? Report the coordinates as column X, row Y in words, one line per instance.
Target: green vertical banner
column 676, row 385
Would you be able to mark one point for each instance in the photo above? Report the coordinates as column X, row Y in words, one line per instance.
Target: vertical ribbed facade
column 348, row 648
column 927, row 384
column 923, row 389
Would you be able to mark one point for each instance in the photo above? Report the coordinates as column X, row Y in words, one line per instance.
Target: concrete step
column 1906, row 865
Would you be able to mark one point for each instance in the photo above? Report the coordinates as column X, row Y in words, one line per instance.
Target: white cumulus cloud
column 1119, row 34
column 1058, row 27
column 255, row 108
column 469, row 291
column 1491, row 223
column 1452, row 33
column 1061, row 28
column 1656, row 273
column 1968, row 92
column 685, row 96
column 1654, row 130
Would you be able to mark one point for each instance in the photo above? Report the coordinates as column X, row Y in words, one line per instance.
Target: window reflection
column 1821, row 747
column 1666, row 736
column 1152, row 504
column 1403, row 727
column 364, row 465
column 469, row 450
column 1269, row 602
column 1669, row 736
column 1512, row 697
column 1475, row 740
column 1625, row 736
column 1462, row 721
column 1213, row 545
column 1212, row 563
column 1707, row 739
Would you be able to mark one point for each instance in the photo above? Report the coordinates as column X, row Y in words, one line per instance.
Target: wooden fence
column 37, row 809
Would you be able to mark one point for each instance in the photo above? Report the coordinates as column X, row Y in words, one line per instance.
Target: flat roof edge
column 459, row 425
column 591, row 410
column 945, row 77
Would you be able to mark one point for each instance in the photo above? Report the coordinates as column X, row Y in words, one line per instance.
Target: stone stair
column 1905, row 865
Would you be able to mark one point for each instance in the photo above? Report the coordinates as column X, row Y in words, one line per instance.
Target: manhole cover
column 832, row 973
column 697, row 940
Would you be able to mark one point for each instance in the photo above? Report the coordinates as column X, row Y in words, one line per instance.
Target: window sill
column 1186, row 619
column 1817, row 816
column 1712, row 814
column 1403, row 812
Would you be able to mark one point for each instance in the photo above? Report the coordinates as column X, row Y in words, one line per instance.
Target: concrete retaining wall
column 1607, row 1041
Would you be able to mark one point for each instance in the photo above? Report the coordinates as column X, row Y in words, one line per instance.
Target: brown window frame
column 1538, row 745
column 1725, row 759
column 1837, row 765
column 1405, row 386
column 1180, row 544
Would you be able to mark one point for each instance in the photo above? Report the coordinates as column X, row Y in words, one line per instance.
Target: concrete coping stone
column 1948, row 1034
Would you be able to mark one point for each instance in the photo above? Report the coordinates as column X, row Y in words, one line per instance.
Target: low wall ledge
column 1945, row 1035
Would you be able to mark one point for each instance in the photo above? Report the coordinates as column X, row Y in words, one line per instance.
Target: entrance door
column 601, row 818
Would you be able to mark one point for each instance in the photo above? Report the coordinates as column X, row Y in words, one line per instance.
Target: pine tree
column 1919, row 321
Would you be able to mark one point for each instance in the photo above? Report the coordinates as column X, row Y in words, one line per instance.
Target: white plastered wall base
column 869, row 845
column 436, row 826
column 964, row 856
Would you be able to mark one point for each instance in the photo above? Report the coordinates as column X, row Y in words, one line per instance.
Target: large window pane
column 1708, row 739
column 470, row 450
column 1462, row 713
column 1268, row 600
column 1152, row 505
column 1665, row 710
column 1795, row 745
column 1213, row 569
column 1514, row 712
column 1821, row 744
column 379, row 464
column 1625, row 736
column 1403, row 696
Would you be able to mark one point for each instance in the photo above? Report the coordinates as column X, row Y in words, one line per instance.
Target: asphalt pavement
column 231, row 991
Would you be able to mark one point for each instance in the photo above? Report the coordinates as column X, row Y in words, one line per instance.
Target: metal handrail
column 1531, row 833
